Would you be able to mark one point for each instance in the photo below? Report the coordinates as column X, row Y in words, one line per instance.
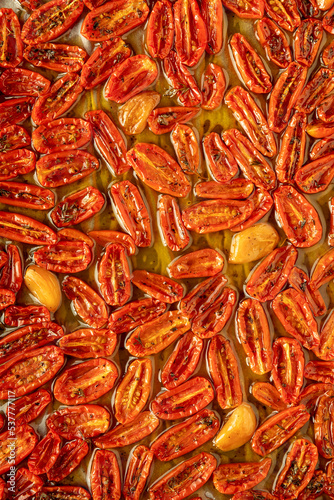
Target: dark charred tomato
column 202, row 296
column 325, row 110
column 186, row 436
column 137, row 472
column 86, row 302
column 49, row 22
column 321, row 371
column 65, row 492
column 327, row 55
column 130, row 77
column 224, row 371
column 64, row 257
column 15, row 137
column 173, row 232
column 274, row 41
column 136, row 313
column 250, row 65
column 198, row 264
column 88, row 343
column 183, row 361
column 56, row 56
column 114, row 275
column 251, row 119
column 61, row 135
column 190, row 31
column 10, row 39
column 325, row 350
column 323, row 270
column 78, row 207
column 276, row 430
column 68, row 459
column 213, row 13
column 7, row 297
column 114, row 19
column 262, row 204
column 316, row 175
column 288, row 368
column 315, row 487
column 313, row 93
column 298, row 218
column 29, row 407
column 20, row 81
column 19, row 227
column 235, row 189
column 254, row 335
column 186, row 148
column 307, row 41
column 153, row 337
column 268, row 395
column 61, row 96
column 18, row 194
column 291, row 155
column 323, row 435
column 293, row 311
column 158, row 286
column 221, row 162
column 105, row 479
column 270, row 276
column 27, row 484
column 183, row 83
column 123, row 435
column 284, row 12
column 14, row 111
column 108, row 141
column 298, row 470
column 160, row 29
column 82, row 421
column 328, row 21
column 45, row 454
column 249, row 10
column 14, row 163
column 299, row 280
column 25, row 441
column 184, row 479
column 133, row 391
column 132, row 211
column 213, row 84
column 233, row 478
column 286, row 91
column 163, row 120
column 104, row 237
column 309, row 397
column 70, row 234
column 84, row 382
column 158, row 170
column 319, row 129
column 103, row 61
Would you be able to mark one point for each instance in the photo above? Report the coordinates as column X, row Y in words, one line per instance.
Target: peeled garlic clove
column 44, row 286
column 238, row 429
column 133, row 115
column 253, row 243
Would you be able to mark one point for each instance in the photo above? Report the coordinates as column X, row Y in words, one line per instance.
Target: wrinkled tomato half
column 136, row 313
column 114, row 275
column 220, row 161
column 88, row 343
column 82, row 421
column 105, row 479
column 213, row 84
column 158, row 286
column 186, row 148
column 232, row 478
column 17, row 162
column 160, row 29
column 197, row 264
column 61, row 135
column 55, row 56
column 20, row 81
column 268, row 395
column 163, row 120
column 64, row 257
column 18, row 194
column 45, row 454
column 288, row 368
column 274, row 41
column 68, row 459
column 11, row 52
column 25, row 441
column 29, row 407
column 137, row 472
column 19, row 227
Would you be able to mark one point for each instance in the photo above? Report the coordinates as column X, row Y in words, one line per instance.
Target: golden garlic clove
column 253, row 243
column 133, row 115
column 44, row 286
column 238, row 429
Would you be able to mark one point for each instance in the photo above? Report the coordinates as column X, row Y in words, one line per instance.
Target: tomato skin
column 78, row 207
column 107, row 21
column 64, row 257
column 288, row 422
column 316, row 175
column 14, row 137
column 299, row 280
column 88, row 343
column 20, row 81
column 61, row 135
column 307, row 41
column 114, row 275
column 10, row 39
column 268, row 395
column 13, row 111
column 82, row 421
column 158, row 170
column 212, row 13
column 56, row 56
column 186, row 478
column 137, row 472
column 187, row 436
column 254, row 335
column 270, row 276
column 7, row 297
column 213, row 84
column 19, row 227
column 25, row 441
column 298, row 218
column 235, row 189
column 198, row 264
column 190, row 31
column 274, row 41
column 250, row 117
column 284, row 12
column 30, row 370
column 298, row 470
column 310, row 396
column 153, row 337
column 17, row 162
column 136, row 313
column 288, row 368
column 323, row 270
column 123, row 435
column 27, row 484
column 19, row 194
column 202, row 296
column 186, row 148
column 158, row 286
column 313, row 93
column 220, row 161
column 183, row 361
column 160, row 29
column 320, row 371
column 128, row 203
column 68, row 459
column 130, row 77
column 105, row 477
column 29, row 407
column 45, row 454
column 86, row 302
column 183, row 83
column 97, row 375
column 236, row 477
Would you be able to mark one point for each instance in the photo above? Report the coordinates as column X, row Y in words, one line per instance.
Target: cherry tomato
column 114, row 275
column 70, row 234
column 315, row 487
column 277, row 429
column 137, row 472
column 11, row 53
column 202, row 296
column 68, row 459
column 284, row 12
column 78, row 207
column 327, row 55
column 132, row 211
column 235, row 189
column 328, row 20
column 319, row 129
column 19, row 227
column 274, row 41
column 271, row 275
column 262, row 204
column 7, row 297
column 163, row 120
column 45, row 454
column 309, row 397
column 56, row 56
column 30, row 370
column 323, row 270
column 158, row 286
column 316, row 175
column 322, row 426
column 186, row 148
column 14, row 163
column 313, row 93
column 16, row 137
column 27, row 484
column 220, row 161
column 65, row 492
column 321, row 371
column 197, row 264
column 18, row 194
column 114, row 19
column 288, row 368
column 136, row 313
column 88, row 343
column 64, row 257
column 61, row 135
column 307, row 41
column 14, row 111
column 213, row 13
column 268, row 395
column 123, row 435
column 299, row 280
column 83, row 421
column 190, row 31
column 236, row 477
column 250, row 10
column 19, row 81
column 173, row 232
column 213, row 83
column 183, row 83
column 29, row 407
column 104, row 237
column 298, row 218
column 105, row 477
column 160, row 29
column 184, row 479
